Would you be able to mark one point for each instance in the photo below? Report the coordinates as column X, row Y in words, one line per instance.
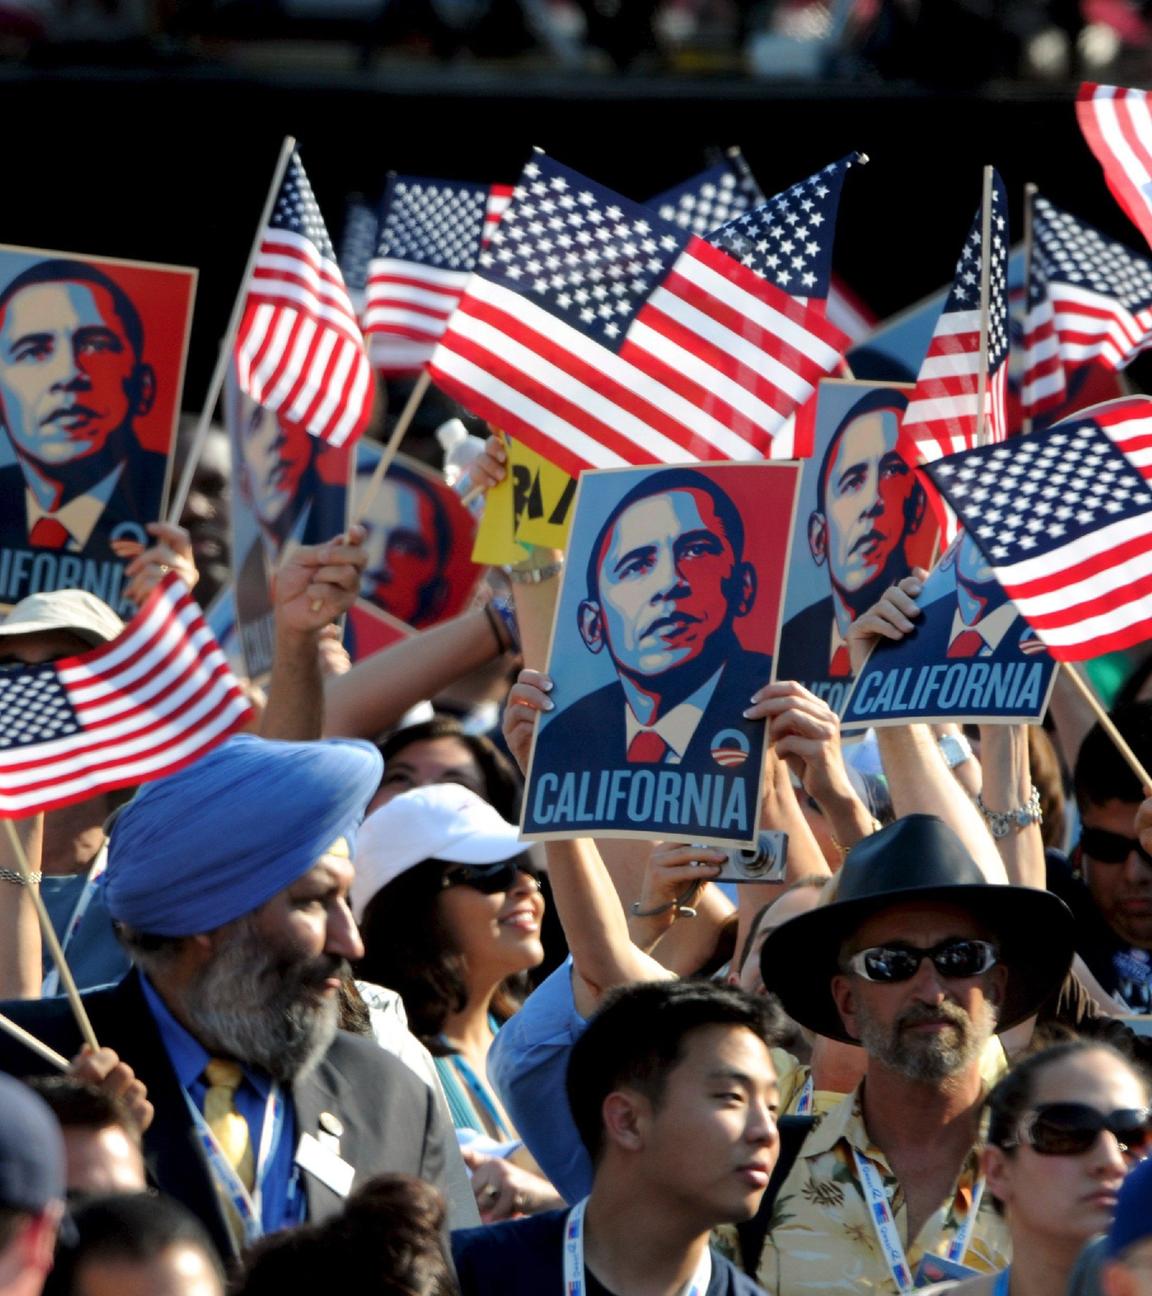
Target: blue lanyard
column 479, row 1093
column 247, row 1205
column 1003, row 1281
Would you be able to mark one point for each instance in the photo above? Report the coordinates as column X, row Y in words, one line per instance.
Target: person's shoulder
column 489, row 1244
column 727, row 1280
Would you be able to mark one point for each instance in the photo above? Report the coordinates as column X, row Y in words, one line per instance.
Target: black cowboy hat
column 917, row 858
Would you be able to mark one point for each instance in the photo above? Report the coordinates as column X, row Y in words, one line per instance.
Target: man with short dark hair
column 1109, row 884
column 667, row 582
column 31, row 1188
column 229, row 881
column 135, row 1244
column 673, row 1091
column 869, row 505
column 73, row 379
column 101, row 1136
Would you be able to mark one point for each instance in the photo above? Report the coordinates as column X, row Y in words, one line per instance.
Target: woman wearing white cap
column 449, row 907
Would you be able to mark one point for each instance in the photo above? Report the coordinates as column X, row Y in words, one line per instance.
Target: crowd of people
column 338, row 1022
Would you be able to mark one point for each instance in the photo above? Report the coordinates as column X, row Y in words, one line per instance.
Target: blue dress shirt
column 283, row 1203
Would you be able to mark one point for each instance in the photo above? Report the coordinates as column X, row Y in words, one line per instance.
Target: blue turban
column 215, row 840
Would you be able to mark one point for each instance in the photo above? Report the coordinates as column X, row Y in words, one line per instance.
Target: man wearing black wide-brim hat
column 921, row 961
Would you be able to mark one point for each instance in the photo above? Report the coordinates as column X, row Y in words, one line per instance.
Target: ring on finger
column 490, row 1193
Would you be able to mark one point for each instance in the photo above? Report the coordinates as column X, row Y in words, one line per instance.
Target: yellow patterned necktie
column 225, row 1121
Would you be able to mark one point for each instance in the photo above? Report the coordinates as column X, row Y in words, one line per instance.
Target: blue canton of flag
column 1075, row 253
column 710, row 198
column 1042, row 492
column 34, row 708
column 581, row 252
column 788, row 239
column 297, row 211
column 357, row 243
column 433, row 222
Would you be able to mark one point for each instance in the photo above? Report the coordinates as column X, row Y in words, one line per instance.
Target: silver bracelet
column 1002, row 822
column 534, row 575
column 14, row 875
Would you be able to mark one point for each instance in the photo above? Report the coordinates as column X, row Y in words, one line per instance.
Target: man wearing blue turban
column 228, row 882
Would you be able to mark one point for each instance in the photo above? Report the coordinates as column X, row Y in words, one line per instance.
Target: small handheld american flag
column 151, row 701
column 602, row 335
column 1117, row 124
column 1064, row 518
column 1090, row 301
column 299, row 349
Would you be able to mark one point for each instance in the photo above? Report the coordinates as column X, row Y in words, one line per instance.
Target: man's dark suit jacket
column 591, row 734
column 136, row 498
column 805, row 641
column 392, row 1121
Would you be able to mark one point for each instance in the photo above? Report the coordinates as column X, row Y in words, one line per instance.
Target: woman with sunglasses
column 450, row 909
column 1065, row 1126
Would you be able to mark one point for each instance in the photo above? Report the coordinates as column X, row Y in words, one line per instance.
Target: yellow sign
column 495, row 544
column 542, row 498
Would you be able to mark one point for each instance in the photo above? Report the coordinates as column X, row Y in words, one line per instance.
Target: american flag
column 357, row 244
column 1094, row 295
column 943, row 414
column 721, row 193
column 151, row 701
column 602, row 335
column 430, row 236
column 710, row 198
column 1117, row 124
column 299, row 349
column 1064, row 517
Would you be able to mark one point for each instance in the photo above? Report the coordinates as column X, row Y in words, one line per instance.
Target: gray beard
column 936, row 1057
column 263, row 1011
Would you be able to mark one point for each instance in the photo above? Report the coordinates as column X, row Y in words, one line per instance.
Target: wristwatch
column 955, row 749
column 1002, row 822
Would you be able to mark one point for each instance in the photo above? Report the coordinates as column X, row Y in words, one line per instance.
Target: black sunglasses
column 1070, row 1129
column 1109, row 847
column 956, row 958
column 489, row 878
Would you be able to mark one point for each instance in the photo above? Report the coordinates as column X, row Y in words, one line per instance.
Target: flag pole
column 1030, row 192
column 51, row 940
column 985, row 282
column 1089, row 695
column 180, row 498
column 365, row 498
column 9, row 1027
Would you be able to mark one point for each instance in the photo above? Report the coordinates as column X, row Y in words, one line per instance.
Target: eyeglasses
column 954, row 959
column 489, row 878
column 1070, row 1129
column 1110, row 848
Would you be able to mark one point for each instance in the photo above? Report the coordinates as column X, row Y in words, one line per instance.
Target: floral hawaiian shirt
column 822, row 1239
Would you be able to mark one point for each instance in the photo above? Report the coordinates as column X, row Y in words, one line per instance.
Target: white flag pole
column 985, row 283
column 224, row 359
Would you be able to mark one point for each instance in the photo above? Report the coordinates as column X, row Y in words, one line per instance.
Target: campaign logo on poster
column 290, row 488
column 971, row 657
column 666, row 625
column 92, row 357
column 862, row 523
column 419, row 542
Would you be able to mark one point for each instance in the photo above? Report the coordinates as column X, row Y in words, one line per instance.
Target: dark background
column 172, row 164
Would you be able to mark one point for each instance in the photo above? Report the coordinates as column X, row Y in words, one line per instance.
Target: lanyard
column 479, row 1094
column 885, row 1225
column 574, row 1282
column 1003, row 1281
column 51, row 984
column 804, row 1101
column 248, row 1206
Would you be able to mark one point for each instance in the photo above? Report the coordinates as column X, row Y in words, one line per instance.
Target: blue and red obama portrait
column 666, row 625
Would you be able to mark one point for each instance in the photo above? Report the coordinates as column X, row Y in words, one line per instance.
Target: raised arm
column 919, row 778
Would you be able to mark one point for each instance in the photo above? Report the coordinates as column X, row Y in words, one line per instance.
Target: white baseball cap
column 75, row 611
column 443, row 821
